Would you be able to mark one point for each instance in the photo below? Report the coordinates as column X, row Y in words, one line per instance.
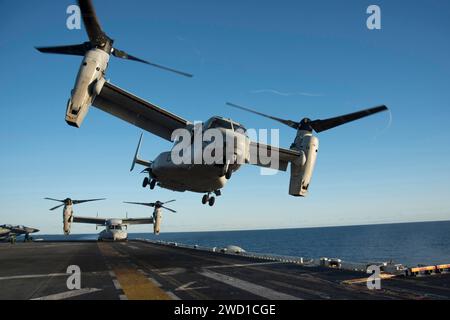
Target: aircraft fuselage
column 204, row 169
column 200, row 178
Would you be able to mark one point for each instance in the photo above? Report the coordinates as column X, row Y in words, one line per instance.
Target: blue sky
column 319, row 53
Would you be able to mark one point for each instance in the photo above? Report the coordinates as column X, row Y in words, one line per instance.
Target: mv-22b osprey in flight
column 91, row 88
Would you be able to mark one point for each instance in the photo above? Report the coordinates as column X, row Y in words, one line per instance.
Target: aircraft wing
column 4, row 236
column 97, row 221
column 284, row 155
column 4, row 231
column 138, row 112
column 137, row 221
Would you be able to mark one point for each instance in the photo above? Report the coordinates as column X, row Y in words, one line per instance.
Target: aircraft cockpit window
column 239, row 128
column 220, row 123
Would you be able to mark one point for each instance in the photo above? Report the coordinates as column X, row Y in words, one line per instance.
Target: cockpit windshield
column 239, row 128
column 116, row 227
column 223, row 123
column 220, row 123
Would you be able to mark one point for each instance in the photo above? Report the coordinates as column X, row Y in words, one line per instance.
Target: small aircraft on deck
column 236, row 148
column 8, row 231
column 115, row 228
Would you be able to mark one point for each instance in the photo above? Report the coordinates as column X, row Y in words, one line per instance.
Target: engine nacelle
column 157, row 216
column 67, row 220
column 301, row 172
column 88, row 85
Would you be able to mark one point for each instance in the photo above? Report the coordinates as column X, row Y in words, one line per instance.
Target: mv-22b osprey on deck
column 91, row 88
column 114, row 227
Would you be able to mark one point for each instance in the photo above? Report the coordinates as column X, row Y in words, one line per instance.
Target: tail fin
column 136, row 157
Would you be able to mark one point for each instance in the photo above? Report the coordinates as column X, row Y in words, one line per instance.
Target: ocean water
column 407, row 243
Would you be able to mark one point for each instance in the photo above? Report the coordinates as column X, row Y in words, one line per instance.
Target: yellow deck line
column 137, row 287
column 133, row 283
column 383, row 276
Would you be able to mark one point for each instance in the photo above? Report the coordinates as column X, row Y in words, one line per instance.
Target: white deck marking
column 170, row 271
column 172, row 295
column 303, row 290
column 43, row 246
column 49, row 275
column 129, row 246
column 123, row 297
column 187, row 287
column 248, row 286
column 68, row 294
column 31, row 276
column 243, row 265
column 156, row 283
column 117, row 284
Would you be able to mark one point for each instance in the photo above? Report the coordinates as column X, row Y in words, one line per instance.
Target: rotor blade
column 123, row 55
column 75, row 50
column 90, row 20
column 54, row 199
column 289, row 123
column 54, row 208
column 82, row 201
column 169, row 201
column 168, row 209
column 322, row 125
column 141, row 203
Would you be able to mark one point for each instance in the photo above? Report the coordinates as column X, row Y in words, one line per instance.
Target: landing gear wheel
column 145, row 182
column 211, row 201
column 205, row 199
column 228, row 174
column 152, row 184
